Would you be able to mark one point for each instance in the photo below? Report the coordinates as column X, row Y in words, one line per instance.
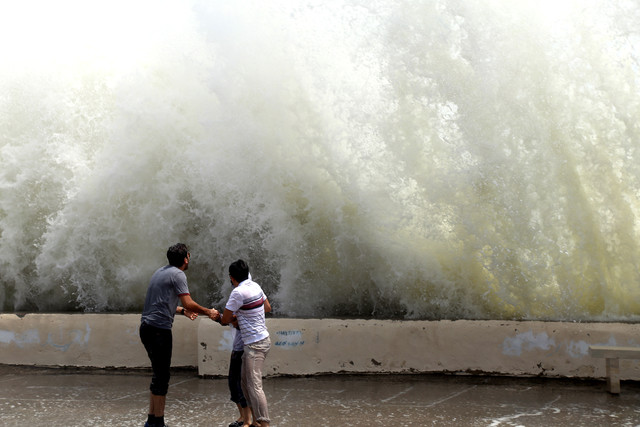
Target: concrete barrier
column 314, row 346
column 87, row 340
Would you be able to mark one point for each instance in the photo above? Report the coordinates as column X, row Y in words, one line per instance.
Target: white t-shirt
column 247, row 303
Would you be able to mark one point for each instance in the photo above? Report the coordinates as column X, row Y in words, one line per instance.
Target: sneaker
column 236, row 424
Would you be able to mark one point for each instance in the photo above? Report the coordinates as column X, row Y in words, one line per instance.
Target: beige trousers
column 252, row 364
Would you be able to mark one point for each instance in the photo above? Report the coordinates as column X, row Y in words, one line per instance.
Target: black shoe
column 236, row 424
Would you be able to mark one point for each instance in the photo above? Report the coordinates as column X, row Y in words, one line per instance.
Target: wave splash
column 412, row 159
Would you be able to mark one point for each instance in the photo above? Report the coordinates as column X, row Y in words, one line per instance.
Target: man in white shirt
column 248, row 304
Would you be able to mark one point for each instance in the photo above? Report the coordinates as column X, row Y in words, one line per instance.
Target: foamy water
column 412, row 159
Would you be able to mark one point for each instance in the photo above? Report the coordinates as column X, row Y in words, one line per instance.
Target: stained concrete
column 324, row 346
column 71, row 397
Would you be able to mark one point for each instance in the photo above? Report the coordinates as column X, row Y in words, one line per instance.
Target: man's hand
column 214, row 314
column 190, row 314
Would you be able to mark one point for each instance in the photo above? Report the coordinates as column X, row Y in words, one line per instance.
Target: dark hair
column 239, row 270
column 177, row 253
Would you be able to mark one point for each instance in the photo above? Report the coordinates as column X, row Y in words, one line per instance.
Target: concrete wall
column 312, row 346
column 87, row 340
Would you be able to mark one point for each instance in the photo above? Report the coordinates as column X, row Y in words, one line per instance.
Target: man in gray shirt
column 167, row 289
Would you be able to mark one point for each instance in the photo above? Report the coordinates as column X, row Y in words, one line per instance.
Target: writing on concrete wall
column 31, row 336
column 62, row 341
column 226, row 343
column 288, row 339
column 513, row 346
column 528, row 341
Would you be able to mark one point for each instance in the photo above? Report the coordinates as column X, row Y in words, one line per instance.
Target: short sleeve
column 180, row 284
column 235, row 301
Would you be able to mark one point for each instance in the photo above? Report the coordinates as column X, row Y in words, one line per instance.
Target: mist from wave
column 385, row 159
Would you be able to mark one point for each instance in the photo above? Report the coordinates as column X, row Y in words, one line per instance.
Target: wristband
column 182, row 311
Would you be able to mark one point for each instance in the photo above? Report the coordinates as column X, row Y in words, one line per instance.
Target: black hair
column 239, row 270
column 177, row 253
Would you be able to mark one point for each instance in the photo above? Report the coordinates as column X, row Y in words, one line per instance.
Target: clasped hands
column 214, row 315
column 211, row 313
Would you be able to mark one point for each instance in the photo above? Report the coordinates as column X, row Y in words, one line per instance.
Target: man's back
column 163, row 296
column 247, row 302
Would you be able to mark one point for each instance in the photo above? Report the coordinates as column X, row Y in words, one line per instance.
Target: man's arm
column 227, row 317
column 190, row 314
column 189, row 304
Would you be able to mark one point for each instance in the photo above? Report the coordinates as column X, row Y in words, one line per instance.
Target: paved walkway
column 57, row 397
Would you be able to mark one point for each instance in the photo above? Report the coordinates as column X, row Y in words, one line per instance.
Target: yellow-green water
column 411, row 159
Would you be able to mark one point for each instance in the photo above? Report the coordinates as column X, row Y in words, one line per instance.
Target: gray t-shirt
column 167, row 284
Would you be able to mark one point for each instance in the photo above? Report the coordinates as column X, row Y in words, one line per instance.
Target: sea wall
column 315, row 346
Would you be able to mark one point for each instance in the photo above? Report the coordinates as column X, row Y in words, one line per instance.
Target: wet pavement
column 67, row 397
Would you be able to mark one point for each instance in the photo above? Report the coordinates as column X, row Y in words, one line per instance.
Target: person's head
column 178, row 255
column 239, row 271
